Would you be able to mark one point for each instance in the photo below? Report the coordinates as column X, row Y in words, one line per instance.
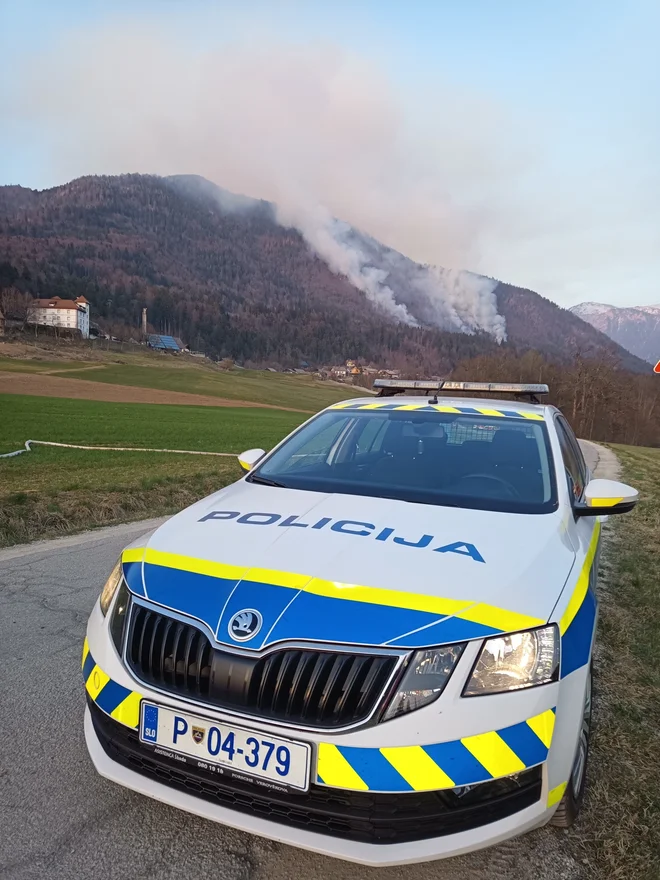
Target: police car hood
column 260, row 565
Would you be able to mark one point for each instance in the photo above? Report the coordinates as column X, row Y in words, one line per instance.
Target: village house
column 65, row 313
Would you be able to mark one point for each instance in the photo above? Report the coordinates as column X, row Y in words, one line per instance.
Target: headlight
column 110, row 588
column 120, row 615
column 424, row 680
column 520, row 660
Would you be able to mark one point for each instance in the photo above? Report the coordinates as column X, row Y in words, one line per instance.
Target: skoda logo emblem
column 245, row 624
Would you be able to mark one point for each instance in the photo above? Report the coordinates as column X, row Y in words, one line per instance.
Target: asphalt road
column 59, row 819
column 591, row 454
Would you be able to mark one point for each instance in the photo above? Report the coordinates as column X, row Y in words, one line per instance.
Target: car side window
column 574, row 466
column 572, row 439
column 581, row 460
column 315, row 449
column 371, row 437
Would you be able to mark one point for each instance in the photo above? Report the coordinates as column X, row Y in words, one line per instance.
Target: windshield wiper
column 265, row 481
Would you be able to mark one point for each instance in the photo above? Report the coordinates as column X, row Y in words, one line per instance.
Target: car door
column 579, row 600
column 577, row 475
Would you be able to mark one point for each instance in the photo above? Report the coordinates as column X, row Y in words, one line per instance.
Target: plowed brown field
column 45, row 385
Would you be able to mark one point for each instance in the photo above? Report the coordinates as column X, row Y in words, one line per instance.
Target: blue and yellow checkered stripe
column 112, row 698
column 399, row 768
column 438, row 407
column 464, row 761
column 578, row 620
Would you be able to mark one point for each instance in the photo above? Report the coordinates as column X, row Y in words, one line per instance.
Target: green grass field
column 14, row 365
column 298, row 391
column 50, row 491
column 213, row 429
column 618, row 833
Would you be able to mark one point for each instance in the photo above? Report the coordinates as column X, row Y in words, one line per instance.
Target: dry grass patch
column 618, row 834
column 87, row 490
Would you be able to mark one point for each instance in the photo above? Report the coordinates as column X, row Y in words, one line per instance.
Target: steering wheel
column 509, row 487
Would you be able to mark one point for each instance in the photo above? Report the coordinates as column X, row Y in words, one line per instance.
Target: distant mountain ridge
column 220, row 271
column 635, row 328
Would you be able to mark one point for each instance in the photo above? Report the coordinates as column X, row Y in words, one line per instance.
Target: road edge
column 88, row 537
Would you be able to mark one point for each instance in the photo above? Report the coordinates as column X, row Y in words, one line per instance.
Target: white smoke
column 465, row 300
column 451, row 299
column 327, row 237
column 414, row 294
column 317, row 131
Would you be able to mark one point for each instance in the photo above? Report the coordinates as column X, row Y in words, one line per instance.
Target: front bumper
column 384, row 824
column 323, row 820
column 367, row 817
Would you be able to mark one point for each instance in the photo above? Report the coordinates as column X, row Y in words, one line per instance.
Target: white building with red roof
column 71, row 314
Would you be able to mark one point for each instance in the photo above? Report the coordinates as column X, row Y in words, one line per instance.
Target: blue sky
column 517, row 139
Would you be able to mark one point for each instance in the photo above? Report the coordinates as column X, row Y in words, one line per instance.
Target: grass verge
column 618, row 833
column 74, row 491
column 50, row 492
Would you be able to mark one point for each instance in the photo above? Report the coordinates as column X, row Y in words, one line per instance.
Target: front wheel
column 569, row 806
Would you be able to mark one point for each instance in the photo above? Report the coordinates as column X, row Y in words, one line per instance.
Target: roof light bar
column 494, row 387
column 390, row 387
column 406, row 384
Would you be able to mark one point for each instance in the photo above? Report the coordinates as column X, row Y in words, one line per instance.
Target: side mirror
column 604, row 497
column 247, row 460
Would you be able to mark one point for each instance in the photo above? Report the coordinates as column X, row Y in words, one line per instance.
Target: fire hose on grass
column 30, row 443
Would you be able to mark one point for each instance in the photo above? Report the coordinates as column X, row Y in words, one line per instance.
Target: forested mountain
column 220, row 272
column 636, row 328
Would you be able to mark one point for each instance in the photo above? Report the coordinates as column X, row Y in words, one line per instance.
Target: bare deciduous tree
column 15, row 305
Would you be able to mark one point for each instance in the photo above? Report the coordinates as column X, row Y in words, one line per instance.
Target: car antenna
column 439, row 388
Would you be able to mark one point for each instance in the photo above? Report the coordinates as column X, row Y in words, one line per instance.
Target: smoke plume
column 315, row 130
column 462, row 300
column 327, row 237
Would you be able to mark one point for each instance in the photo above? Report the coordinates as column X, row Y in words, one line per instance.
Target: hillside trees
column 601, row 401
column 239, row 286
column 234, row 284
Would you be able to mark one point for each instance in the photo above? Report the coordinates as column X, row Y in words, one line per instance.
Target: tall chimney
column 144, row 322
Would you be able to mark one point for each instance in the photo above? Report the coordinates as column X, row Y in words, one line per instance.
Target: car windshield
column 451, row 459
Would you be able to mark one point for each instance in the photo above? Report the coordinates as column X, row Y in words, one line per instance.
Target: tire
column 570, row 804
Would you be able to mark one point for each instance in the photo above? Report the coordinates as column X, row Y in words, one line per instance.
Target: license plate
column 217, row 744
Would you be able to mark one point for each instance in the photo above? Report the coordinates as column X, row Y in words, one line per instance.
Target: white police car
column 377, row 645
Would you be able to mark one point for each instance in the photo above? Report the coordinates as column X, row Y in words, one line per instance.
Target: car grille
column 368, row 817
column 314, row 688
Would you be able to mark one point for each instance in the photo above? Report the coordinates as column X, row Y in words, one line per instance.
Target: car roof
column 458, row 402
